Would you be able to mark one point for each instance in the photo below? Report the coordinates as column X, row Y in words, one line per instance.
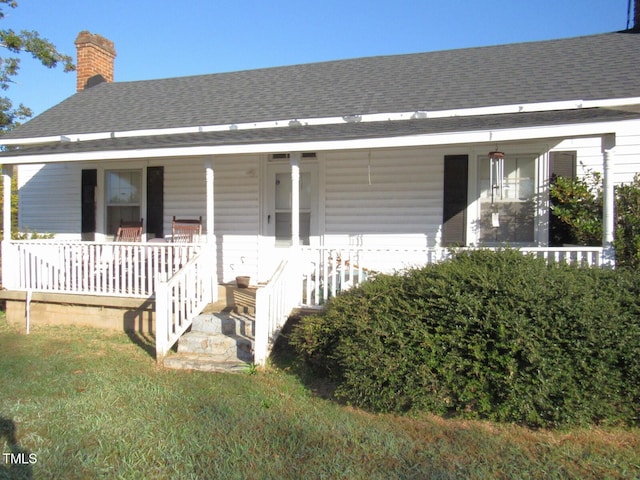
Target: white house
column 304, row 172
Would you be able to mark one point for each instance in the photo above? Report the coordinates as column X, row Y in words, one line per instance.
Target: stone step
column 225, row 323
column 221, row 306
column 204, row 363
column 220, row 347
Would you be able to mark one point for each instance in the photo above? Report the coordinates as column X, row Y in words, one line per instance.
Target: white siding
column 184, row 191
column 49, row 199
column 382, row 198
column 237, row 207
column 626, row 153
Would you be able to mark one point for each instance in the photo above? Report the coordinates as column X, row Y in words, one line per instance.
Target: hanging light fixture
column 496, row 174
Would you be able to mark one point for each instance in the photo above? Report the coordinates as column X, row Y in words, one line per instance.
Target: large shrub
column 495, row 335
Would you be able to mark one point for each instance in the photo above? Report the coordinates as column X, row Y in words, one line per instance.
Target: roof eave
column 559, row 131
column 567, row 105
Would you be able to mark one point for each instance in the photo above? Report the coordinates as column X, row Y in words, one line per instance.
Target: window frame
column 111, row 224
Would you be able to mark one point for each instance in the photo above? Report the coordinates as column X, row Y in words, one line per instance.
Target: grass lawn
column 88, row 403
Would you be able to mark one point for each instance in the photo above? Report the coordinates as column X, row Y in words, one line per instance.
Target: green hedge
column 494, row 335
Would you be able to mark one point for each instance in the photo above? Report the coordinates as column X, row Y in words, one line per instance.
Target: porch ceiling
column 333, row 132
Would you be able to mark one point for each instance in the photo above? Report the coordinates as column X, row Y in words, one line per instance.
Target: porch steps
column 221, row 338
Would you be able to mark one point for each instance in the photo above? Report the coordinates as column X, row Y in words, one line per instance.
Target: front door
column 278, row 212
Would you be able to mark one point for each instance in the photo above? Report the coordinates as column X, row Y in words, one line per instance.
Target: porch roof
column 332, row 132
column 585, row 68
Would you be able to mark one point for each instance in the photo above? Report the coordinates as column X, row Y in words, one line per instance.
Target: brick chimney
column 95, row 60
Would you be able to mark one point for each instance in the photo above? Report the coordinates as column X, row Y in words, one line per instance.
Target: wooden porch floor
column 230, row 297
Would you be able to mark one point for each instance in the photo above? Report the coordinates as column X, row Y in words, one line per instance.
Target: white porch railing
column 274, row 303
column 85, row 268
column 328, row 271
column 180, row 298
column 585, row 256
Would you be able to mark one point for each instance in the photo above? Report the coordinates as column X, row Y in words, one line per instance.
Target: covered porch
column 299, row 269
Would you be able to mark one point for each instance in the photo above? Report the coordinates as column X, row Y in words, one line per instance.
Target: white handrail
column 274, row 303
column 180, row 298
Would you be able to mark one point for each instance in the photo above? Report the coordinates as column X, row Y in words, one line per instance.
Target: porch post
column 211, row 237
column 7, row 176
column 295, row 199
column 608, row 204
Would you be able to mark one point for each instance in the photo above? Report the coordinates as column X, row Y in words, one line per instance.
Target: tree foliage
column 16, row 43
column 42, row 50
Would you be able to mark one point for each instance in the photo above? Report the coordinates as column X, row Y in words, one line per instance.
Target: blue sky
column 162, row 38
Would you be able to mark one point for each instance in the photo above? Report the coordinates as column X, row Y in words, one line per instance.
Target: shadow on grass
column 285, row 358
column 16, row 463
column 138, row 324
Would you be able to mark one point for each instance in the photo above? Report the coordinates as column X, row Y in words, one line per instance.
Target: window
column 562, row 164
column 123, row 193
column 507, row 208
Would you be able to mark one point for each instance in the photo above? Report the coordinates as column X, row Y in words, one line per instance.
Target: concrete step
column 204, row 363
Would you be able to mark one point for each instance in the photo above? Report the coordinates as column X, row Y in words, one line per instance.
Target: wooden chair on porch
column 129, row 231
column 186, row 230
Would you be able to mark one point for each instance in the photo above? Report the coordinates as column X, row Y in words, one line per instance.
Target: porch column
column 608, row 203
column 210, row 218
column 7, row 256
column 7, row 176
column 209, row 178
column 295, row 198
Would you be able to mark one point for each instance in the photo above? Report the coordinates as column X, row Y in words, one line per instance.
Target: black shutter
column 561, row 164
column 155, row 201
column 88, row 207
column 454, row 214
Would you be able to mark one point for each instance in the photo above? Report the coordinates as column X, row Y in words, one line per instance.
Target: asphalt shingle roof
column 584, row 68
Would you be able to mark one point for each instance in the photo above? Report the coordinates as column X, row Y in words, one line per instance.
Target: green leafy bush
column 495, row 335
column 29, row 235
column 627, row 238
column 576, row 207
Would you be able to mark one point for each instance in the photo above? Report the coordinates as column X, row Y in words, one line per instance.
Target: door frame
column 268, row 217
